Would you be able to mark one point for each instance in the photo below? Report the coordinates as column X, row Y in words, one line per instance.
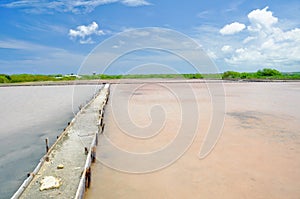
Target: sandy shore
column 257, row 155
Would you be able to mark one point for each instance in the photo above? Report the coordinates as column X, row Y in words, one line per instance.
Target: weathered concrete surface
column 70, row 152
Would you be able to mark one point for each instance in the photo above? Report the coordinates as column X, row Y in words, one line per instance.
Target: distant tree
column 4, row 78
column 268, row 72
column 231, row 75
column 192, row 76
column 244, row 75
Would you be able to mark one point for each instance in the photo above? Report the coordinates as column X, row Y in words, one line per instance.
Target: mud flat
column 257, row 155
column 69, row 151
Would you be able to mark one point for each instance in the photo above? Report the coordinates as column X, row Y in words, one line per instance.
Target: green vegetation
column 18, row 78
column 143, row 76
column 266, row 73
column 4, row 78
column 212, row 76
column 32, row 78
column 231, row 75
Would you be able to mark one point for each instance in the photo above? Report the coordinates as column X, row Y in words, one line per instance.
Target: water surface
column 28, row 115
column 257, row 155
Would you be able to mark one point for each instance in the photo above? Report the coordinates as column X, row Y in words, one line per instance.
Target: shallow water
column 256, row 156
column 28, row 115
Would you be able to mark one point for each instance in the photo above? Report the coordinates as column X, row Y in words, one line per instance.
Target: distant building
column 72, row 75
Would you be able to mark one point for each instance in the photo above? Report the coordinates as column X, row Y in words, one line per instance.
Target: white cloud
column 78, row 6
column 266, row 42
column 240, row 51
column 211, row 54
column 39, row 58
column 261, row 19
column 248, row 39
column 84, row 32
column 226, row 49
column 135, row 3
column 232, row 28
column 86, row 41
column 270, row 45
column 118, row 44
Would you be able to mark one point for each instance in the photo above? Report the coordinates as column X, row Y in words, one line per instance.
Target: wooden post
column 101, row 121
column 102, row 112
column 93, row 154
column 96, row 139
column 88, row 177
column 103, row 128
column 47, row 145
column 99, row 128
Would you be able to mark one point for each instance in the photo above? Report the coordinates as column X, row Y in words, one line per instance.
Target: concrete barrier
column 28, row 180
column 82, row 184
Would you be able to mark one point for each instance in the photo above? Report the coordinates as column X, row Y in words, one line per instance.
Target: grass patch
column 212, row 76
column 19, row 78
column 266, row 73
column 144, row 76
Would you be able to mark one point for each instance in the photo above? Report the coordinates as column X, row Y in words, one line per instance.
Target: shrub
column 4, row 78
column 231, row 75
column 193, row 76
column 268, row 72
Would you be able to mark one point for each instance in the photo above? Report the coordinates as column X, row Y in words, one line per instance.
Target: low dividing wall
column 82, row 184
column 29, row 185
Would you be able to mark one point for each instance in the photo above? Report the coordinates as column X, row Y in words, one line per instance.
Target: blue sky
column 57, row 36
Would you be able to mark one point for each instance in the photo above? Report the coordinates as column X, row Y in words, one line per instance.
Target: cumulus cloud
column 261, row 19
column 232, row 28
column 263, row 43
column 78, row 6
column 84, row 33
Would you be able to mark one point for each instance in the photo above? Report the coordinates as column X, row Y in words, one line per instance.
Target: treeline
column 18, row 78
column 32, row 78
column 266, row 73
column 143, row 76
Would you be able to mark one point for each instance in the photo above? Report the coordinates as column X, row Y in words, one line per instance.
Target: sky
column 59, row 36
